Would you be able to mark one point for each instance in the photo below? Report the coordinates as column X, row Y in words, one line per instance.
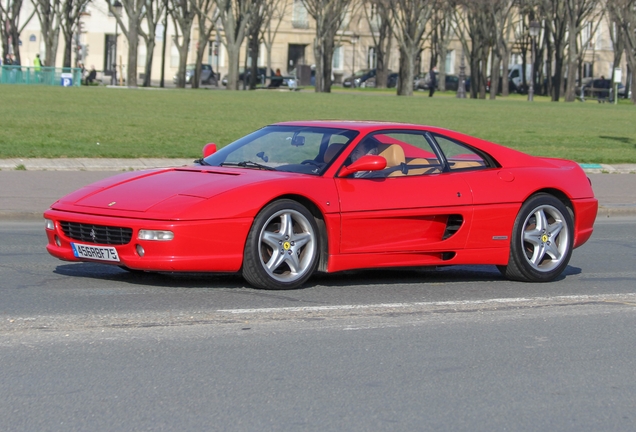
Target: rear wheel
column 282, row 247
column 542, row 238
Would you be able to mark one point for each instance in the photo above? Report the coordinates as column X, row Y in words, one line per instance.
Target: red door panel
column 401, row 214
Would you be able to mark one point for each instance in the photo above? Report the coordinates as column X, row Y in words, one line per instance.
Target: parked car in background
column 391, row 81
column 261, row 78
column 422, row 81
column 207, row 75
column 366, row 78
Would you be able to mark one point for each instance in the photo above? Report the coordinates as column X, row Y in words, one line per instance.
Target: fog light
column 140, row 250
column 156, row 235
column 49, row 224
column 58, row 242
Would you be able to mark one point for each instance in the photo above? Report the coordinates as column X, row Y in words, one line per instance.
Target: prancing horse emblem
column 93, row 235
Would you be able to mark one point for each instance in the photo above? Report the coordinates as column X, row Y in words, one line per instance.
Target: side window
column 419, row 156
column 458, row 156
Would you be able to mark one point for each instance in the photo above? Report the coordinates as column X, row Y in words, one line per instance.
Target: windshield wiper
column 249, row 164
column 201, row 161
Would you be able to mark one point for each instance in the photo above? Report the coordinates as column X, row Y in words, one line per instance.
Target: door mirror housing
column 365, row 163
column 209, row 149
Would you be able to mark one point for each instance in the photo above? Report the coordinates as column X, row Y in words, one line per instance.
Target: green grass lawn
column 70, row 122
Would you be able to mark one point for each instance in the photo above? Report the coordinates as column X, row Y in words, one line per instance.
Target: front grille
column 97, row 233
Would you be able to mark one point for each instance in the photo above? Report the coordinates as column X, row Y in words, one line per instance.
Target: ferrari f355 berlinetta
column 298, row 197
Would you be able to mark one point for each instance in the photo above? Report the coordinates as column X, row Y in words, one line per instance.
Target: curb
column 112, row 164
column 89, row 164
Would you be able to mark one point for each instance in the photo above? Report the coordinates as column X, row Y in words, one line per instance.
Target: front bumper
column 198, row 246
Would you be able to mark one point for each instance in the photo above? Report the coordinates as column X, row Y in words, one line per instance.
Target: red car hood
column 142, row 191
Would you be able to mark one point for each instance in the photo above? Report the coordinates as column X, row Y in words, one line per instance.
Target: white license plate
column 101, row 253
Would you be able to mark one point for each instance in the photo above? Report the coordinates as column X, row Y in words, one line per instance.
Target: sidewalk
column 29, row 186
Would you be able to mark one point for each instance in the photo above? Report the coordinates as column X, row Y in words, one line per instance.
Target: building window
column 449, row 64
column 299, row 15
column 372, row 58
column 141, row 55
column 174, row 55
column 337, row 61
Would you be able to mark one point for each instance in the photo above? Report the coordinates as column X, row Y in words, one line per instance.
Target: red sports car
column 298, row 197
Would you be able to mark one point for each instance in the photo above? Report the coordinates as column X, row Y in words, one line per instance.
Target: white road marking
column 574, row 298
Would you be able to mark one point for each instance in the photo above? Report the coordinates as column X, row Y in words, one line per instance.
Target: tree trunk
column 505, row 83
column 442, row 68
column 150, row 49
column 494, row 75
column 233, row 53
column 133, row 49
column 405, row 77
column 570, row 95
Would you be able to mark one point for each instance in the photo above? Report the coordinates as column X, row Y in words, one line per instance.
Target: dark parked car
column 261, row 78
column 423, row 80
column 207, row 75
column 366, row 78
column 391, row 81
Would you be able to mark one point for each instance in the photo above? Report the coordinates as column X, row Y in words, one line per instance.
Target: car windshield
column 299, row 149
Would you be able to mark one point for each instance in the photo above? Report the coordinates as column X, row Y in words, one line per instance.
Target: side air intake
column 453, row 223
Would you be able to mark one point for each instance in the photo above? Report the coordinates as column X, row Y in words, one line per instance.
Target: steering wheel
column 311, row 162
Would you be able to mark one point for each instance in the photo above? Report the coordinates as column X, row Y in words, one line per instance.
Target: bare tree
column 206, row 15
column 69, row 20
column 48, row 12
column 623, row 13
column 378, row 16
column 235, row 16
column 11, row 29
column 182, row 13
column 474, row 23
column 556, row 24
column 136, row 12
column 616, row 33
column 578, row 12
column 502, row 20
column 410, row 18
column 275, row 11
column 254, row 30
column 154, row 12
column 329, row 16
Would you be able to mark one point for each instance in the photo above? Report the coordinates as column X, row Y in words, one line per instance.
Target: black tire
column 282, row 248
column 541, row 243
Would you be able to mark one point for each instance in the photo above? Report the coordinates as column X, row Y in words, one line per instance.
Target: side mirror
column 209, row 149
column 365, row 163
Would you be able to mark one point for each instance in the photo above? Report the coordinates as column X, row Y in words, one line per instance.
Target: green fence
column 66, row 77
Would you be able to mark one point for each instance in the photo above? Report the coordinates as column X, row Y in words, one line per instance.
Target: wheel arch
column 558, row 194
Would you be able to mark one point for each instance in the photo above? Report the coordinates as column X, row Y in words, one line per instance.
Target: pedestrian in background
column 37, row 66
column 432, row 82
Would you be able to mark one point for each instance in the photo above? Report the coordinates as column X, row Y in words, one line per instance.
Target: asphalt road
column 90, row 347
column 27, row 194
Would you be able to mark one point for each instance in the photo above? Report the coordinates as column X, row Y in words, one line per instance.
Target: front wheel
column 282, row 247
column 542, row 238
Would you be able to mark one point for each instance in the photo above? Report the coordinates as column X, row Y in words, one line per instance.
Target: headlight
column 156, row 235
column 49, row 224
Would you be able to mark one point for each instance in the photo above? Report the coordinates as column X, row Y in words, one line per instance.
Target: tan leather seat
column 394, row 155
column 466, row 164
column 415, row 167
column 332, row 151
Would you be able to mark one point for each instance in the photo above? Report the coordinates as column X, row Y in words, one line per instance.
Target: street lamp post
column 117, row 7
column 354, row 41
column 535, row 28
